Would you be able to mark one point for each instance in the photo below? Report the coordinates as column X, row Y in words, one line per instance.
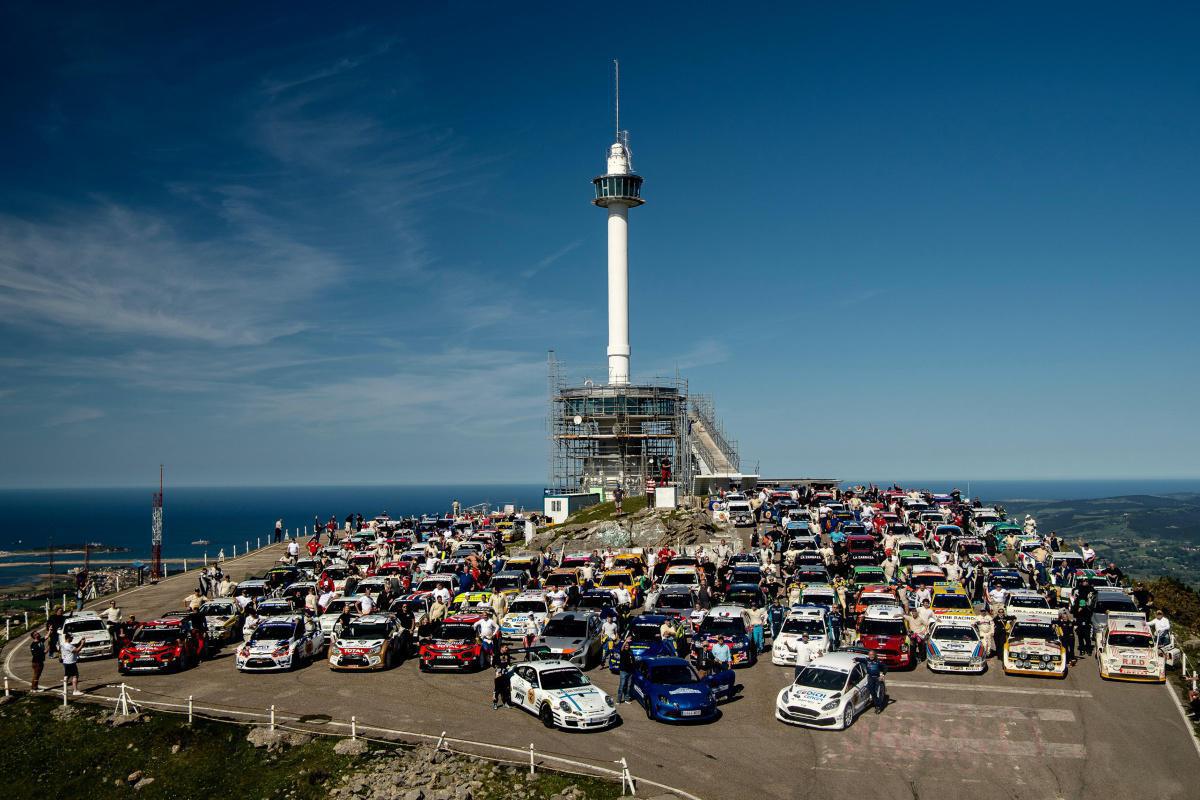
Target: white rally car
column 90, row 634
column 561, row 696
column 1126, row 651
column 527, row 613
column 329, row 617
column 280, row 643
column 1028, row 603
column 954, row 646
column 829, row 693
column 801, row 620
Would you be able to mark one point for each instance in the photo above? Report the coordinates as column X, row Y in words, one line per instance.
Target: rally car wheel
column 649, row 709
column 546, row 716
column 848, row 716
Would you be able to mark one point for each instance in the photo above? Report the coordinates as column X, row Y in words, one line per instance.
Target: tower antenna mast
column 617, row 97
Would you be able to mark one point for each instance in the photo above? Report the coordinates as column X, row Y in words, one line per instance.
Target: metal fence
column 132, row 700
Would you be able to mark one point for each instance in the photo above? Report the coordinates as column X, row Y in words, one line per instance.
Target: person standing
column 757, row 619
column 279, row 530
column 54, row 624
column 1083, row 626
column 500, row 687
column 37, row 653
column 720, row 654
column 70, row 661
column 626, row 666
column 804, row 654
column 1160, row 626
column 875, row 672
column 1066, row 626
column 618, row 497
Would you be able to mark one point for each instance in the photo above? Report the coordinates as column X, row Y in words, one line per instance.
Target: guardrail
column 273, row 719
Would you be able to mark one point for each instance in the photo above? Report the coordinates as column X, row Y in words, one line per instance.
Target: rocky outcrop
column 650, row 528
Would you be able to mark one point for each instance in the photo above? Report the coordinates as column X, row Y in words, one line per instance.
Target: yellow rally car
column 624, row 579
column 467, row 602
column 950, row 599
column 630, row 561
column 1034, row 647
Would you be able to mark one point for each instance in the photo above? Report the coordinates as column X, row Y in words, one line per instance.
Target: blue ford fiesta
column 671, row 690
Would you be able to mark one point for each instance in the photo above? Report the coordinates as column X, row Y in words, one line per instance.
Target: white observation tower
column 618, row 190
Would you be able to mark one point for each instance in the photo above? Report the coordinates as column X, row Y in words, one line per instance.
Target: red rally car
column 453, row 644
column 882, row 629
column 169, row 644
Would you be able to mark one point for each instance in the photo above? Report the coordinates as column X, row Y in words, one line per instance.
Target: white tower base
column 618, row 294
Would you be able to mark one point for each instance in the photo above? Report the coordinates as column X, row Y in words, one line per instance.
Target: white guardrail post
column 353, row 727
column 532, row 770
column 272, row 719
column 64, row 691
column 189, row 709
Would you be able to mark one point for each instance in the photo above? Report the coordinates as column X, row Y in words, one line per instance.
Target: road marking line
column 1187, row 723
column 992, row 712
column 977, row 688
column 1024, row 748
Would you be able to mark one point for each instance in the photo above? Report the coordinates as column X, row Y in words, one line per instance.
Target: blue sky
column 288, row 244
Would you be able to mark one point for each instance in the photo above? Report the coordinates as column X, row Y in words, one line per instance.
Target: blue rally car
column 671, row 690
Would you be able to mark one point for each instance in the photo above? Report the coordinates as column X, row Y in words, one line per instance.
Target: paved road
column 991, row 735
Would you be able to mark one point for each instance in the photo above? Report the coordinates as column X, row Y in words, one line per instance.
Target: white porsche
column 561, row 696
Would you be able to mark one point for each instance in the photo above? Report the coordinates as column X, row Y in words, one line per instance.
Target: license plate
column 691, row 713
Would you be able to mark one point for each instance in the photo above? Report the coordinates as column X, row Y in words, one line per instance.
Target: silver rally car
column 573, row 637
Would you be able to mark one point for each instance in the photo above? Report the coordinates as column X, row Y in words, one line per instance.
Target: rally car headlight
column 562, row 704
column 376, row 649
column 279, row 652
column 244, row 652
column 609, row 701
column 831, row 705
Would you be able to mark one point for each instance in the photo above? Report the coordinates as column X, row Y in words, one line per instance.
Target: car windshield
column 561, row 579
column 1107, row 604
column 952, row 601
column 614, row 580
column 878, row 599
column 881, row 627
column 83, row 626
column 675, row 601
column 456, row 631
column 729, row 626
column 644, row 632
column 674, row 674
column 365, row 630
column 810, row 576
column 1028, row 602
column 818, row 678
column 1030, row 630
column 1008, row 582
column 927, row 580
column 336, row 573
column 956, row 633
column 596, row 601
column 158, row 635
column 972, row 548
column 216, row 610
column 566, row 628
column 804, row 625
column 340, row 605
column 680, row 578
column 507, row 582
column 744, row 598
column 1139, row 640
column 527, row 607
column 563, row 679
column 273, row 630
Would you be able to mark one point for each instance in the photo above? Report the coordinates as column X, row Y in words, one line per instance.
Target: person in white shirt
column 804, row 653
column 1089, row 555
column 996, row 597
column 924, row 595
column 487, row 629
column 310, row 601
column 324, row 600
column 442, row 594
column 365, row 604
column 925, row 615
column 558, row 599
column 243, row 600
column 69, row 652
column 112, row 614
column 623, row 598
column 250, row 625
column 1160, row 626
column 224, row 587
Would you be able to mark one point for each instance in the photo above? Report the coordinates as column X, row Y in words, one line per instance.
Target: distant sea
column 38, row 518
column 35, row 519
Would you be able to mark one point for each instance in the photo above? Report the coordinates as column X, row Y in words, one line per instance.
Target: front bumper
column 665, row 713
column 955, row 665
column 1040, row 669
column 808, row 717
column 356, row 661
column 263, row 663
column 150, row 664
column 96, row 650
column 451, row 662
column 594, row 721
column 1132, row 675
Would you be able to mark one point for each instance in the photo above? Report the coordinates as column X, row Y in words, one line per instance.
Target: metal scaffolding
column 604, row 436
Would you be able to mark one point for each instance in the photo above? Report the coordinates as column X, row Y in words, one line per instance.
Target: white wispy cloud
column 115, row 270
column 72, row 416
column 550, row 259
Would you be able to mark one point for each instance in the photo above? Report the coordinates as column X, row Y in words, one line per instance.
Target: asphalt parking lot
column 991, row 735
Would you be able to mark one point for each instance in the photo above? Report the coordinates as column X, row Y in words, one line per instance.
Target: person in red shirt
column 313, row 547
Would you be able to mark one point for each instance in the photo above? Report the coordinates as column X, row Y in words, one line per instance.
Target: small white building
column 560, row 506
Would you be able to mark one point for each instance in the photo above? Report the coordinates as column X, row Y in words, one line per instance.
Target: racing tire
column 848, row 716
column 649, row 709
column 423, row 666
column 546, row 715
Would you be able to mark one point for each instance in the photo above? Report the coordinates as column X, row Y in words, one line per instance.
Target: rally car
column 1126, row 650
column 622, row 579
column 509, row 583
column 1028, row 603
column 328, row 617
column 818, row 594
column 675, row 601
column 527, row 613
column 671, row 690
column 954, row 646
column 645, row 634
column 471, row 603
column 453, row 644
column 802, row 620
column 829, row 693
column 276, row 607
column 572, row 637
column 950, row 599
column 223, row 618
column 1034, row 647
column 884, row 630
column 90, row 634
column 370, row 642
column 280, row 643
column 732, row 622
column 162, row 645
column 561, row 696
